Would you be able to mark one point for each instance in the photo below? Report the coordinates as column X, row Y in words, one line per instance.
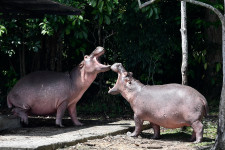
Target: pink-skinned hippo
column 46, row 92
column 169, row 105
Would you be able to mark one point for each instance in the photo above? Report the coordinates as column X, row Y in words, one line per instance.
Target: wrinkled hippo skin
column 169, row 105
column 46, row 92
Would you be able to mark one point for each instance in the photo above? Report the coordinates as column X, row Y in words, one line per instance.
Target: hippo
column 169, row 105
column 48, row 92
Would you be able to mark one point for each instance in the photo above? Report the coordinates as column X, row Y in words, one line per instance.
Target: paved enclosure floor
column 47, row 136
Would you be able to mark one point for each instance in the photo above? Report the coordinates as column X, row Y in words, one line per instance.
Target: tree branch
column 145, row 4
column 216, row 11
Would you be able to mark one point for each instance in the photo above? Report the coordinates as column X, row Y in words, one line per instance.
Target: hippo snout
column 117, row 67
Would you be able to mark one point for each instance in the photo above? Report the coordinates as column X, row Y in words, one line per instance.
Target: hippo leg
column 138, row 126
column 73, row 114
column 156, row 129
column 193, row 137
column 60, row 113
column 22, row 113
column 198, row 130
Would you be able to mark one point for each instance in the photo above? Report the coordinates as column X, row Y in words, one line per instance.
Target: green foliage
column 2, row 30
column 11, row 76
column 46, row 27
column 102, row 10
column 146, row 41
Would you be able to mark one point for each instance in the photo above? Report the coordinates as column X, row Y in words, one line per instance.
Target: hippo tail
column 9, row 102
column 205, row 106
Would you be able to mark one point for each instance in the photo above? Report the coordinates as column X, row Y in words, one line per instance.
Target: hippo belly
column 43, row 107
column 166, row 119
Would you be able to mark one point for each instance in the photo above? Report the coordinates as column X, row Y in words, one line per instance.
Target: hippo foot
column 78, row 123
column 192, row 139
column 195, row 141
column 60, row 125
column 155, row 137
column 132, row 134
column 24, row 121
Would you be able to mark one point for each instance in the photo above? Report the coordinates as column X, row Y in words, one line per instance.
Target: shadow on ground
column 45, row 126
column 180, row 136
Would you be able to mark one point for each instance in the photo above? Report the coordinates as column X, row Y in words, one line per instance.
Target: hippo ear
column 130, row 74
column 81, row 64
column 125, row 74
column 127, row 79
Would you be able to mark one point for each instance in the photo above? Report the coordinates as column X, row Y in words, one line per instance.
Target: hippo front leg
column 138, row 126
column 60, row 113
column 73, row 114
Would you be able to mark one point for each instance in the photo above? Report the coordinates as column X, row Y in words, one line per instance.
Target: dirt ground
column 170, row 140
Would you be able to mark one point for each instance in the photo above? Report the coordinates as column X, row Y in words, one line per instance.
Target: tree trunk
column 213, row 40
column 184, row 66
column 220, row 139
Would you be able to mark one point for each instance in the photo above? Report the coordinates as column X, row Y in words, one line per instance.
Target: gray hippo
column 46, row 92
column 169, row 105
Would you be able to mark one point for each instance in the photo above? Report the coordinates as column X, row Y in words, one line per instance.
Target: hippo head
column 124, row 79
column 91, row 62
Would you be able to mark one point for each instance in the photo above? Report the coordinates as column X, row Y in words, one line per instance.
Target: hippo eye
column 86, row 56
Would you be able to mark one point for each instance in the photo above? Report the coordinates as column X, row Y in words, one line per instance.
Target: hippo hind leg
column 197, row 131
column 156, row 129
column 60, row 113
column 22, row 113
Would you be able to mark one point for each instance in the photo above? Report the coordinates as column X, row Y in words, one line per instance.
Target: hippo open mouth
column 116, row 68
column 114, row 90
column 96, row 54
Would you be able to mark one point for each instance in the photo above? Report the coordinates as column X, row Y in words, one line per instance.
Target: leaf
column 205, row 66
column 93, row 3
column 100, row 5
column 100, row 20
column 84, row 34
column 116, row 1
column 150, row 13
column 2, row 30
column 81, row 17
column 156, row 13
column 218, row 67
column 107, row 20
column 80, row 35
column 74, row 22
column 109, row 9
column 67, row 31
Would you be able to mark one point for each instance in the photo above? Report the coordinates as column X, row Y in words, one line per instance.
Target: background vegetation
column 146, row 41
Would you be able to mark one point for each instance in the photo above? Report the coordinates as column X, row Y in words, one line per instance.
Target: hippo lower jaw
column 104, row 68
column 113, row 91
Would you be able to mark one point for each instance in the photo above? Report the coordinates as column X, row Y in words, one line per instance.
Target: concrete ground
column 9, row 122
column 51, row 137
